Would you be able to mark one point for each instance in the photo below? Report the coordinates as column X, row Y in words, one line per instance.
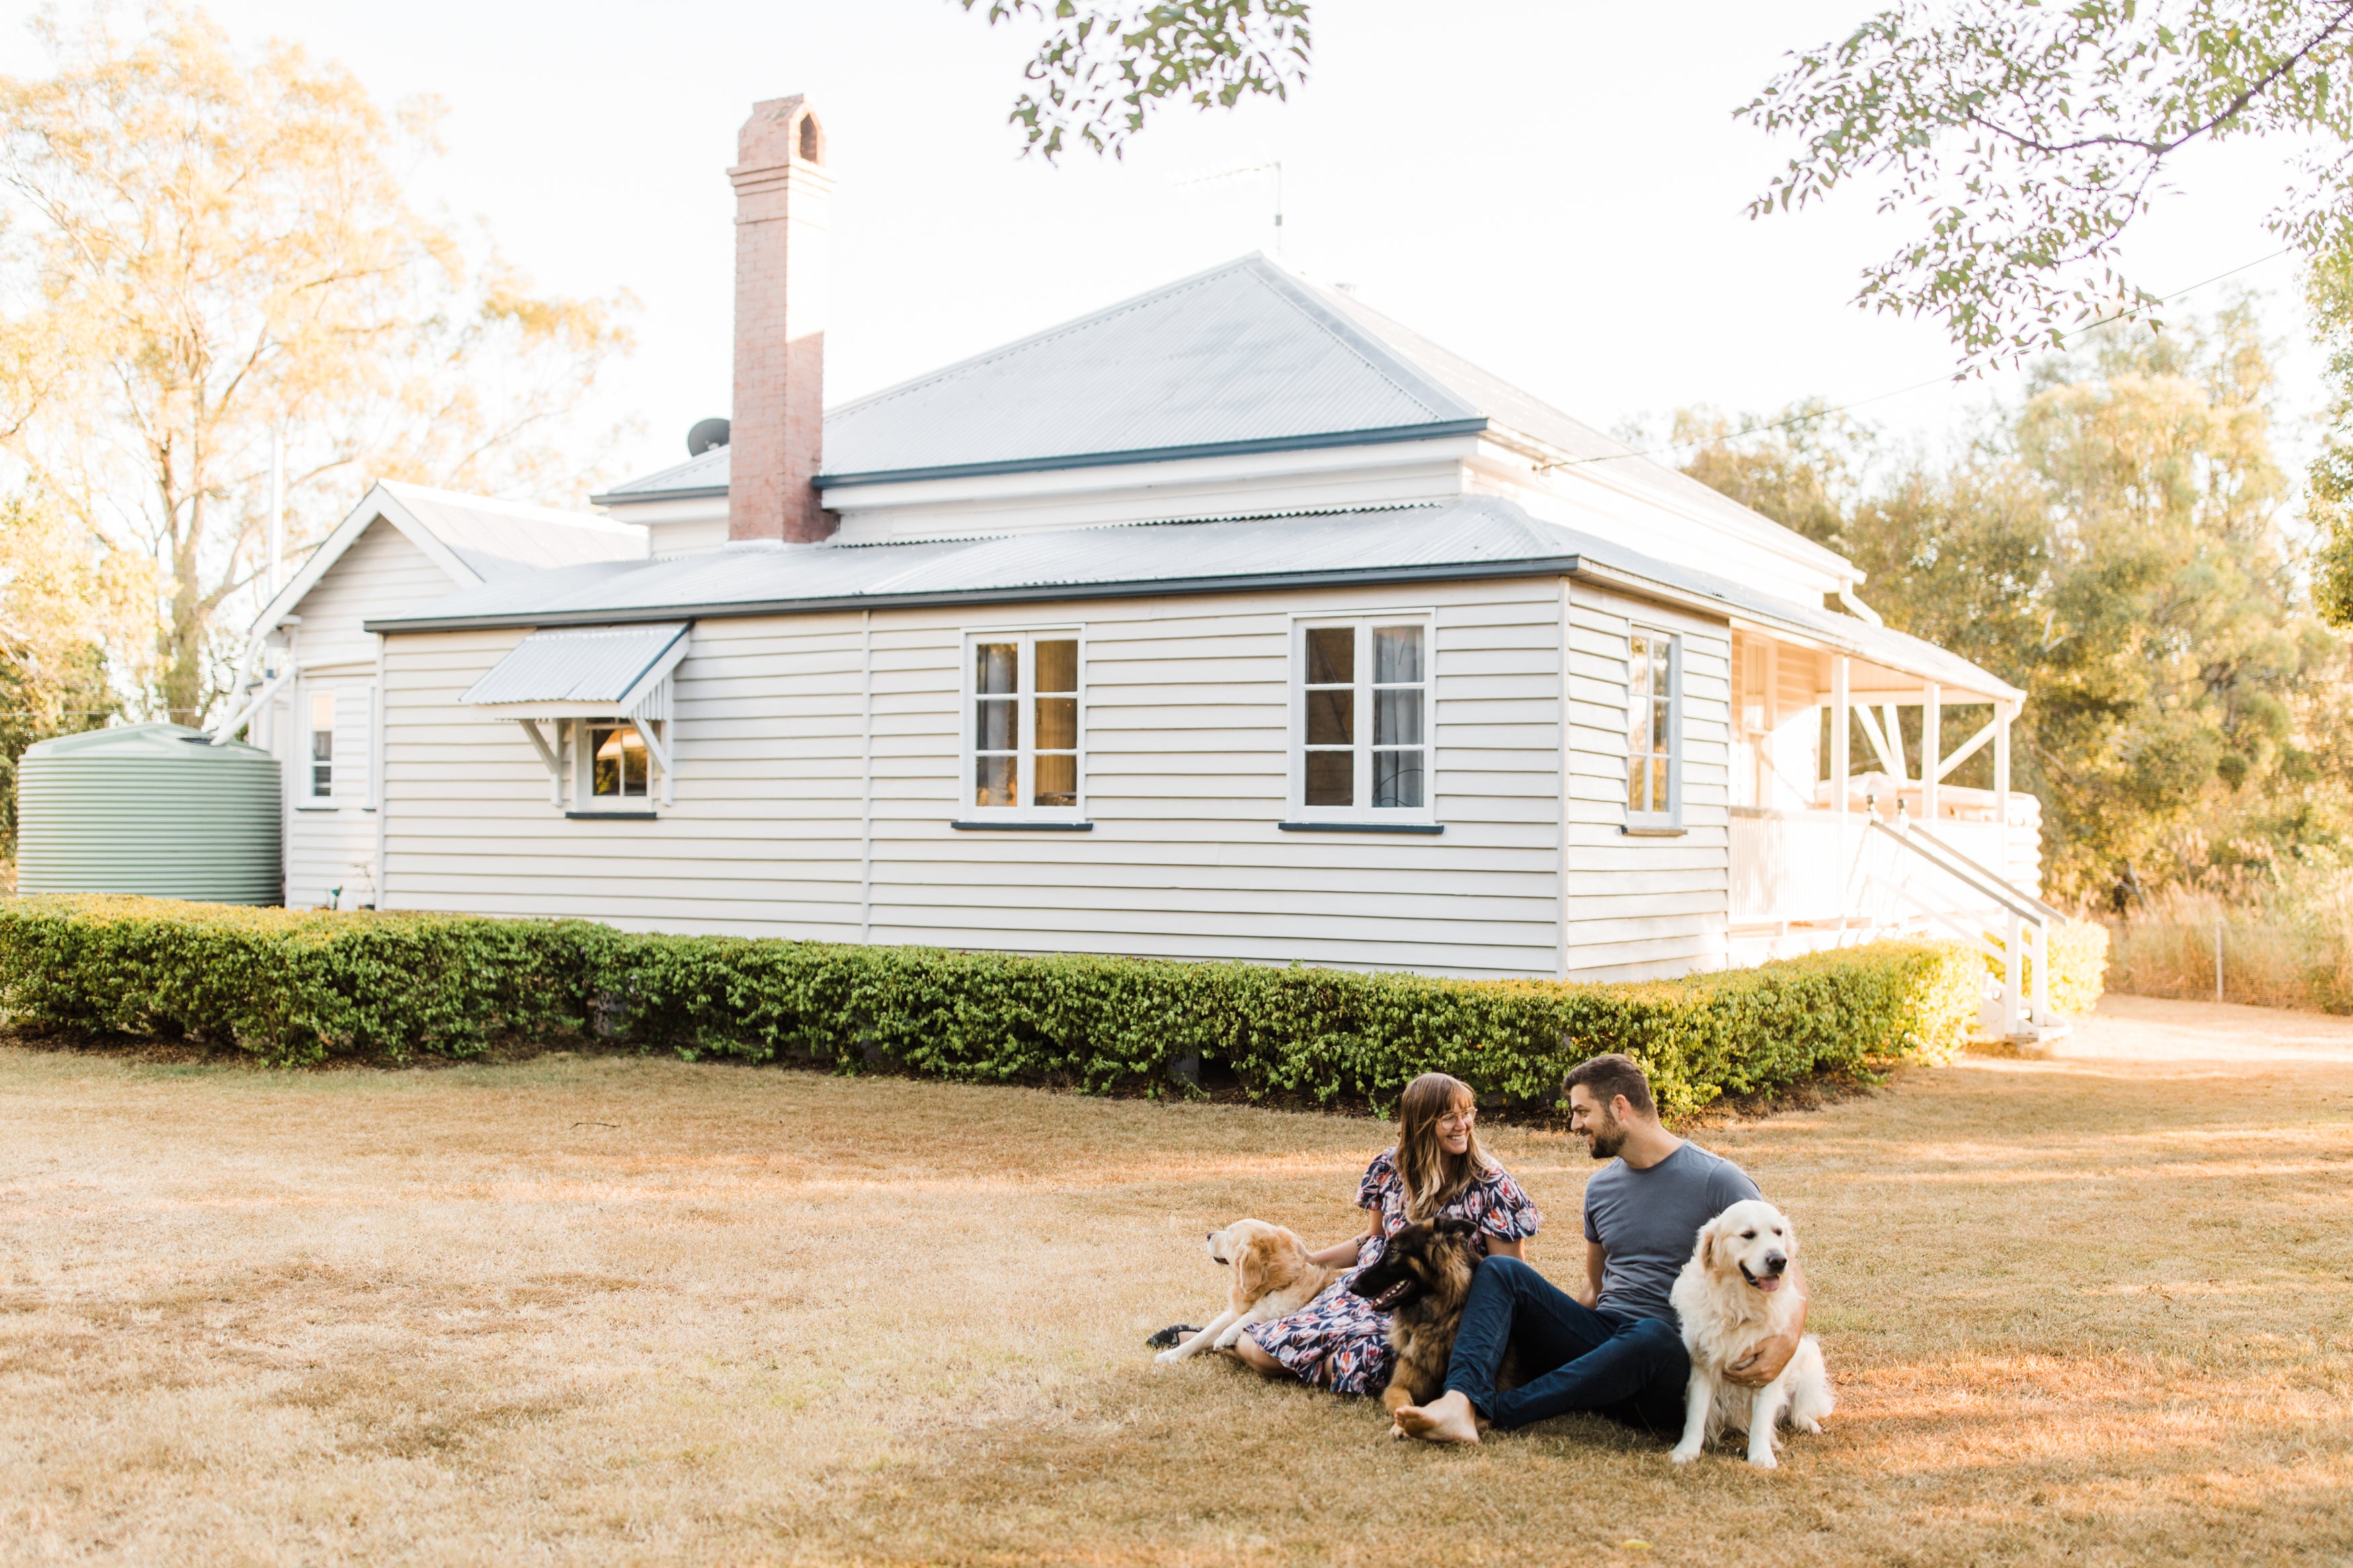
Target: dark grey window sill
column 610, row 816
column 1023, row 827
column 1362, row 826
column 1654, row 832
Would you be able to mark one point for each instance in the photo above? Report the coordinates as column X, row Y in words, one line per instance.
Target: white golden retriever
column 1733, row 1294
column 1273, row 1278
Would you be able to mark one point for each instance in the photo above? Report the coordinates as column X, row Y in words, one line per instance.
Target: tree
column 62, row 599
column 208, row 249
column 2113, row 546
column 2027, row 139
column 1103, row 69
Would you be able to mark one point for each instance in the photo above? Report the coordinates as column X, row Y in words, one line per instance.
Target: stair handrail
column 1951, row 861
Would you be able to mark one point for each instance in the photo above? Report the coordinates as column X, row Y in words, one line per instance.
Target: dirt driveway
column 2094, row 1308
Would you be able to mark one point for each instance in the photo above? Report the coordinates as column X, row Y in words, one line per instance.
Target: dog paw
column 1168, row 1356
column 1764, row 1461
column 1396, row 1433
column 1813, row 1427
column 1682, row 1456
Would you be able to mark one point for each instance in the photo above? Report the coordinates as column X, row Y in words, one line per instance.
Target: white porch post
column 1840, row 722
column 1932, row 750
column 2002, row 786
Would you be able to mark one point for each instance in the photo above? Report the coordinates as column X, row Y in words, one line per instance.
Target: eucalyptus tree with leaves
column 1102, row 68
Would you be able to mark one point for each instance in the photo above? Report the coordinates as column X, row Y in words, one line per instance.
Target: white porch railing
column 1815, row 878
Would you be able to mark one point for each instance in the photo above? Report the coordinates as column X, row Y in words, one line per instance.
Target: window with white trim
column 1024, row 732
column 319, row 754
column 1361, row 720
column 614, row 768
column 1653, row 727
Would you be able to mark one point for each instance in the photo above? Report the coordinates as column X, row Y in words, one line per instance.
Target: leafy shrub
column 2079, row 966
column 294, row 987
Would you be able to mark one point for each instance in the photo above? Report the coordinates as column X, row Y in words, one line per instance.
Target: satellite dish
column 706, row 434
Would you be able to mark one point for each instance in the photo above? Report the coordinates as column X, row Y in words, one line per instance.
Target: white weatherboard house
column 1232, row 621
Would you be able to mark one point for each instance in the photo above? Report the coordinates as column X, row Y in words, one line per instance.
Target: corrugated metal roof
column 1476, row 536
column 586, row 664
column 1244, row 353
column 500, row 539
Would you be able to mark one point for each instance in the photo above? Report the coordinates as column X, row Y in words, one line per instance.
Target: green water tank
column 149, row 809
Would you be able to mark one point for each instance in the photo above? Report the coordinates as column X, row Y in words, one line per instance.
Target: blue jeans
column 1632, row 1370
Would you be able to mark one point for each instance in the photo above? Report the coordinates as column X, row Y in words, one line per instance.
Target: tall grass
column 2287, row 943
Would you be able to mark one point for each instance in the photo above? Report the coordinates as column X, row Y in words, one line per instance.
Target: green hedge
column 298, row 987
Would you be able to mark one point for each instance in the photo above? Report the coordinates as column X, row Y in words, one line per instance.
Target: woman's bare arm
column 1343, row 1254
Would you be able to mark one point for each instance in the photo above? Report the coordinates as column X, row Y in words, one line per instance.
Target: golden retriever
column 1733, row 1294
column 1273, row 1278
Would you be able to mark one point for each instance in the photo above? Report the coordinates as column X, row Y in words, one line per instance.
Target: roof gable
column 473, row 539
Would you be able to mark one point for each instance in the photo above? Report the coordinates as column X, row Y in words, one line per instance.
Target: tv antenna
column 1273, row 167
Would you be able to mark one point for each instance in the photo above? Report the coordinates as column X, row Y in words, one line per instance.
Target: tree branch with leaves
column 1103, row 70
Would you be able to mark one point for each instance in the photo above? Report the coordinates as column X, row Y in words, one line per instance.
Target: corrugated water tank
column 149, row 809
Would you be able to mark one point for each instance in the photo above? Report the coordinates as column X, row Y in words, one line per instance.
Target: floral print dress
column 1337, row 1341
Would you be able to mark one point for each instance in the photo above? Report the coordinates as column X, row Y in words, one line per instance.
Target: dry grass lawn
column 2091, row 1308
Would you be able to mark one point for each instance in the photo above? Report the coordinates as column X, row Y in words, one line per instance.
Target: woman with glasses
column 1437, row 1170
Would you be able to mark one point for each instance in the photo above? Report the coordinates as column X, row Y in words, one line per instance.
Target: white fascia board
column 1144, row 476
column 379, row 503
column 686, row 509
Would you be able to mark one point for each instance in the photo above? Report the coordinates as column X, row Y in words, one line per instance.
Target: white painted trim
column 1025, row 700
column 1361, row 623
column 1670, row 819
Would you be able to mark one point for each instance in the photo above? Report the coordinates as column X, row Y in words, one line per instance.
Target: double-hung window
column 1024, row 730
column 1362, row 721
column 1653, row 730
column 320, row 756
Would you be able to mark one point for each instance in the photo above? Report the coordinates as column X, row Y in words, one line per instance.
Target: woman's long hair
column 1434, row 1178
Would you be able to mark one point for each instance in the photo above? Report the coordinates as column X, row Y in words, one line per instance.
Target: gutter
column 1381, row 436
column 1614, row 577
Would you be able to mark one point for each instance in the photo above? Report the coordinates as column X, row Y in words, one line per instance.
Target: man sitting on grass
column 1615, row 1346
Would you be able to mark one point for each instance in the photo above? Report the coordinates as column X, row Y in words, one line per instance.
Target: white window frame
column 1670, row 820
column 308, row 797
column 1295, row 752
column 585, row 801
column 1026, row 692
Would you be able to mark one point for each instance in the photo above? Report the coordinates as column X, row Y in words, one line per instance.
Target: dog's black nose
column 1776, row 1262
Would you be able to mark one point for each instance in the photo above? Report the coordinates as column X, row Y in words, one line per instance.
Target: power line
column 1884, row 397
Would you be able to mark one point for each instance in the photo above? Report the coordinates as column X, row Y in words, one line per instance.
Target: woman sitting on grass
column 1437, row 1170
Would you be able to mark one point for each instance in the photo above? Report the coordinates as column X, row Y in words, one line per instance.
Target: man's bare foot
column 1450, row 1418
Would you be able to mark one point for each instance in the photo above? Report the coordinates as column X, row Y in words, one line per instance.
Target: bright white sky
column 1552, row 188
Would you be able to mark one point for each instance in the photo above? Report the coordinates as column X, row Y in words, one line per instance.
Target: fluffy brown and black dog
column 1421, row 1282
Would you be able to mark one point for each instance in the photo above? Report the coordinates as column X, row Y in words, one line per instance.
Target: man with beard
column 1614, row 1346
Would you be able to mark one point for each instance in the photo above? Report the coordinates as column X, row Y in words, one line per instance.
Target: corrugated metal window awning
column 584, row 672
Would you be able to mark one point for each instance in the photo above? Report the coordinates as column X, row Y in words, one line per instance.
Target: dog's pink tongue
column 1770, row 1282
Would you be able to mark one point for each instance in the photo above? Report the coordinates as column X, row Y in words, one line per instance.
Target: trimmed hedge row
column 297, row 987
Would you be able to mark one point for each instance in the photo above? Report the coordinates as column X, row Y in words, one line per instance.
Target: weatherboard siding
column 332, row 844
column 1187, row 720
column 1642, row 906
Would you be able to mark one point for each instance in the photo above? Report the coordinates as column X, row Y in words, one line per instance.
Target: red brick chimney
column 776, row 435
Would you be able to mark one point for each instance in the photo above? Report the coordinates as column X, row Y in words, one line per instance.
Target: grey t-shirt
column 1647, row 1220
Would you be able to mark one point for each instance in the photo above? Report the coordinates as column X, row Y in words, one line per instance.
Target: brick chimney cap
column 781, row 131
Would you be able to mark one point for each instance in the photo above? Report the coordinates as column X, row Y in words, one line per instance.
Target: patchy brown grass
column 2091, row 1308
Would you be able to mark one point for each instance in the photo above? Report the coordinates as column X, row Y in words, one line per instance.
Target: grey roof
column 501, row 539
column 1246, row 356
column 586, row 664
column 1477, row 536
